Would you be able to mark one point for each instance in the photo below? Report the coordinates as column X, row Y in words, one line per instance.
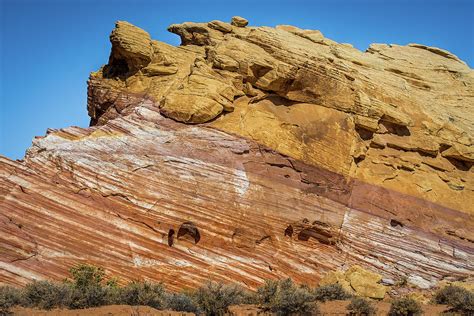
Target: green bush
column 458, row 298
column 90, row 296
column 361, row 307
column 143, row 293
column 45, row 295
column 215, row 298
column 85, row 275
column 466, row 305
column 405, row 307
column 180, row 302
column 87, row 288
column 283, row 297
column 331, row 292
column 449, row 295
column 9, row 297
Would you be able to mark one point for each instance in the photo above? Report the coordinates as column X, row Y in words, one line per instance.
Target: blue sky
column 48, row 48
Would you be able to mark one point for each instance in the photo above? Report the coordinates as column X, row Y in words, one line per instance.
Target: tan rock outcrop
column 401, row 109
column 304, row 156
column 131, row 49
column 359, row 281
column 239, row 21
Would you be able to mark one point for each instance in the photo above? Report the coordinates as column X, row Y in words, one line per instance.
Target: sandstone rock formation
column 249, row 153
column 358, row 281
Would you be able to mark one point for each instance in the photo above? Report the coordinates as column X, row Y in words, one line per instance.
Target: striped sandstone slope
column 251, row 153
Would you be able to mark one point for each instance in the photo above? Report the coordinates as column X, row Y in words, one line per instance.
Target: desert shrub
column 466, row 305
column 113, row 291
column 9, row 297
column 90, row 296
column 331, row 292
column 215, row 298
column 283, row 297
column 86, row 288
column 143, row 293
column 361, row 307
column 180, row 302
column 458, row 298
column 45, row 295
column 405, row 307
column 449, row 295
column 85, row 275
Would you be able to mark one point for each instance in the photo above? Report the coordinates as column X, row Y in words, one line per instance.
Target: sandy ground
column 119, row 310
column 327, row 309
column 339, row 308
column 336, row 308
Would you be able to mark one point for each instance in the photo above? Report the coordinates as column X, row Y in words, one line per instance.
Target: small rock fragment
column 387, row 282
column 220, row 26
column 239, row 21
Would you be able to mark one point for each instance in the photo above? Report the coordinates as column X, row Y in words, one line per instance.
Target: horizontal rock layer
column 299, row 156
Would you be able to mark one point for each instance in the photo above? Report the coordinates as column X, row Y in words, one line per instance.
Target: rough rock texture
column 305, row 156
column 239, row 21
column 359, row 281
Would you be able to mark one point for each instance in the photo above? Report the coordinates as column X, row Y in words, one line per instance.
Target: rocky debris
column 239, row 21
column 387, row 282
column 301, row 156
column 358, row 280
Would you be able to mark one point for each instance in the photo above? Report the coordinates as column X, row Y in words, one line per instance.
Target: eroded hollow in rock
column 395, row 223
column 460, row 164
column 392, row 128
column 188, row 230
column 116, row 68
column 289, row 231
column 364, row 134
column 170, row 237
column 318, row 234
column 358, row 159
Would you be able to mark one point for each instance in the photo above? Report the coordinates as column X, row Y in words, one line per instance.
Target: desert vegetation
column 89, row 287
column 361, row 306
column 457, row 298
column 405, row 307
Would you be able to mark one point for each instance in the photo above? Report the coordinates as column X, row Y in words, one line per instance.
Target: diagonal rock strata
column 304, row 156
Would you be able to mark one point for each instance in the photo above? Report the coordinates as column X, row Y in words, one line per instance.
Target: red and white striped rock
column 305, row 156
column 124, row 196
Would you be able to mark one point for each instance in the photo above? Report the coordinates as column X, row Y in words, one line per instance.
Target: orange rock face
column 304, row 156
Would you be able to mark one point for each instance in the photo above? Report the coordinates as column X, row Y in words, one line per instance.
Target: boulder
column 239, row 21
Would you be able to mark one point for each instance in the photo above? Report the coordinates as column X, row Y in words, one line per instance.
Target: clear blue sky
column 49, row 47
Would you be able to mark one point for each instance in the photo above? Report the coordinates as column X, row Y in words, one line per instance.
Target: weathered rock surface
column 305, row 156
column 402, row 115
column 359, row 281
